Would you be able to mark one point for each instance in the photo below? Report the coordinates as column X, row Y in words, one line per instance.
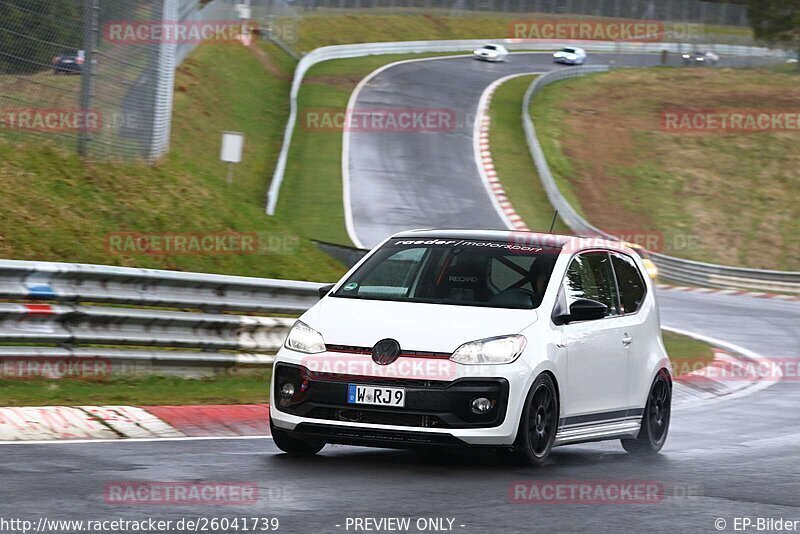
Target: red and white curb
column 483, row 158
column 46, row 423
column 732, row 292
column 733, row 373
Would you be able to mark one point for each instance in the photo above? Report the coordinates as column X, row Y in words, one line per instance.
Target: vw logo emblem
column 385, row 351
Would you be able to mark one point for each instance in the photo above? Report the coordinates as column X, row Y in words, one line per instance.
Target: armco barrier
column 675, row 269
column 78, row 311
column 327, row 53
column 53, row 322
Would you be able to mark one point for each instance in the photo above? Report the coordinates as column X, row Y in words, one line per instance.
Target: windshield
column 568, row 50
column 489, row 47
column 458, row 272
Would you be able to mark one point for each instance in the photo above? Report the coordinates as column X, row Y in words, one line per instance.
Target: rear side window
column 590, row 277
column 631, row 284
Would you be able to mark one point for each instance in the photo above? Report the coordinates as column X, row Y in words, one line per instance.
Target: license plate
column 376, row 395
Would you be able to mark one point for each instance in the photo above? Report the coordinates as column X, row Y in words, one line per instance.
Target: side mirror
column 584, row 310
column 324, row 290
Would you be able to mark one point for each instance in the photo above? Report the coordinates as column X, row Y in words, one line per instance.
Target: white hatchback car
column 570, row 56
column 491, row 52
column 510, row 340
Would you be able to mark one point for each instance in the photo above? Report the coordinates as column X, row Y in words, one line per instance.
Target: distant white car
column 700, row 57
column 491, row 52
column 570, row 56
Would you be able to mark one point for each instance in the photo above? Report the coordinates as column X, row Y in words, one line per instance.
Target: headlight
column 303, row 338
column 685, row 56
column 493, row 350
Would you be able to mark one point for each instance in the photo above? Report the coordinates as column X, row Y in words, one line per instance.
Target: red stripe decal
column 39, row 309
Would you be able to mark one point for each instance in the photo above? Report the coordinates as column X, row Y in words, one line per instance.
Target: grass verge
column 725, row 197
column 686, row 352
column 245, row 388
column 512, row 158
column 66, row 209
column 331, row 27
column 311, row 194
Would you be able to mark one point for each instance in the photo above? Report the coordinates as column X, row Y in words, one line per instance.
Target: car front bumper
column 436, row 412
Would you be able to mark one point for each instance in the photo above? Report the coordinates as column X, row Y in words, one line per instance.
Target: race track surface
column 404, row 180
column 733, row 458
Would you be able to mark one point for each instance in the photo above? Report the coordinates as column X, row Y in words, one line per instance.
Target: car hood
column 416, row 326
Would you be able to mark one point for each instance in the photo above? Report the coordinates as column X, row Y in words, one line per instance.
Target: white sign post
column 245, row 14
column 232, row 149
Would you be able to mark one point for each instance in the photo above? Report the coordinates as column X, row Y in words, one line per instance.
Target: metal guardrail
column 675, row 269
column 327, row 53
column 78, row 311
column 56, row 323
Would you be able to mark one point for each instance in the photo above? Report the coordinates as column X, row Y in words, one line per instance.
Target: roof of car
column 516, row 236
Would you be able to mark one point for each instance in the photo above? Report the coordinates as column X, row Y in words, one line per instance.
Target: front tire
column 655, row 420
column 537, row 426
column 284, row 441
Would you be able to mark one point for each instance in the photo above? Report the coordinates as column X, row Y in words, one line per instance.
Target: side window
column 631, row 284
column 590, row 277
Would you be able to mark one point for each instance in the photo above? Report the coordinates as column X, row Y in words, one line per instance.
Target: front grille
column 384, row 381
column 377, row 417
column 367, row 351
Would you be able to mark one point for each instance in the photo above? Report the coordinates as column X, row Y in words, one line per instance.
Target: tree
column 776, row 22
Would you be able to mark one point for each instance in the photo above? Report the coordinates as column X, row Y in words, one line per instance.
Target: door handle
column 626, row 339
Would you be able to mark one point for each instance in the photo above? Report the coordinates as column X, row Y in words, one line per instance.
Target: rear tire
column 290, row 445
column 537, row 426
column 655, row 420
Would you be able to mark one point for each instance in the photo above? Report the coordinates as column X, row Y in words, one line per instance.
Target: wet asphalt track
column 402, row 180
column 735, row 458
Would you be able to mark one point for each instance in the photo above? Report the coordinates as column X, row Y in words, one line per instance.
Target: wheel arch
column 539, row 372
